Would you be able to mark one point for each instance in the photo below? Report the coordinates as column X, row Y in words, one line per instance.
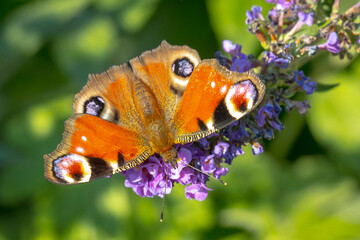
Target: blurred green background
column 305, row 185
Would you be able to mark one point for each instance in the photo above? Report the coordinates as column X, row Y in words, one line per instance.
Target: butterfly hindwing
column 93, row 147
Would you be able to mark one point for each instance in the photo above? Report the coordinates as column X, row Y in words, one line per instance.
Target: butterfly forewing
column 93, row 148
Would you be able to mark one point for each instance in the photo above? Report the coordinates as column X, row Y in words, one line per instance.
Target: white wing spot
column 223, row 89
column 213, row 84
column 80, row 150
column 241, row 90
column 84, row 138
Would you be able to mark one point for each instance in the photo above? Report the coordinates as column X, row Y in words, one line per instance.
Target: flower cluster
column 154, row 177
column 288, row 37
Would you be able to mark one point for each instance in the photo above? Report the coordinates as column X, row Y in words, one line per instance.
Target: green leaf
column 320, row 87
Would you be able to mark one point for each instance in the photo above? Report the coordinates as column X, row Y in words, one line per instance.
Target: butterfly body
column 164, row 97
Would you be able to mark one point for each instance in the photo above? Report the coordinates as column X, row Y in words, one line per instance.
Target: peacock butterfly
column 163, row 97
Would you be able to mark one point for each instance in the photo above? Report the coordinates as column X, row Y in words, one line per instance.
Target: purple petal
column 256, row 148
column 186, row 175
column 233, row 49
column 185, row 155
column 282, row 62
column 196, row 191
column 220, row 149
column 220, row 172
column 240, row 65
column 285, row 3
column 306, row 18
column 208, row 164
column 332, row 44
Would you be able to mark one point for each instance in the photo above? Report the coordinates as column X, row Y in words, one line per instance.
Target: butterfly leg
column 170, row 156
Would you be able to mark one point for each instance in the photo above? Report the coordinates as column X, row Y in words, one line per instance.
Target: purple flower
column 204, row 143
column 237, row 132
column 306, row 18
column 256, row 148
column 154, row 177
column 196, row 191
column 302, row 106
column 220, row 149
column 273, row 14
column 281, row 62
column 233, row 49
column 149, row 180
column 208, row 164
column 255, row 13
column 221, row 171
column 240, row 60
column 285, row 3
column 332, row 44
column 224, row 61
column 233, row 152
column 304, row 82
column 270, row 114
column 281, row 4
column 186, row 175
column 270, row 57
column 241, row 65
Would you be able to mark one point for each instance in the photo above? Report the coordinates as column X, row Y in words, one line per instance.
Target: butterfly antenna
column 211, row 176
column 163, row 200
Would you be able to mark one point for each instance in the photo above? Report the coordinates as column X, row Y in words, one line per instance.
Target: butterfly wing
column 110, row 96
column 159, row 71
column 93, row 147
column 214, row 98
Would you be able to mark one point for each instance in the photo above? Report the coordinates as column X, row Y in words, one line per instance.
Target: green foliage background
column 305, row 185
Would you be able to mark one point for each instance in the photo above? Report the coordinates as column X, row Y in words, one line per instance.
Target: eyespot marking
column 72, row 168
column 182, row 67
column 94, row 106
column 241, row 97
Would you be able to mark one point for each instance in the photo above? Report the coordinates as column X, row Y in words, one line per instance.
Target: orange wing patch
column 205, row 90
column 94, row 137
column 100, row 147
column 214, row 98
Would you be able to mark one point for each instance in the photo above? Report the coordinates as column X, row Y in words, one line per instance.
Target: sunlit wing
column 214, row 98
column 93, row 148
